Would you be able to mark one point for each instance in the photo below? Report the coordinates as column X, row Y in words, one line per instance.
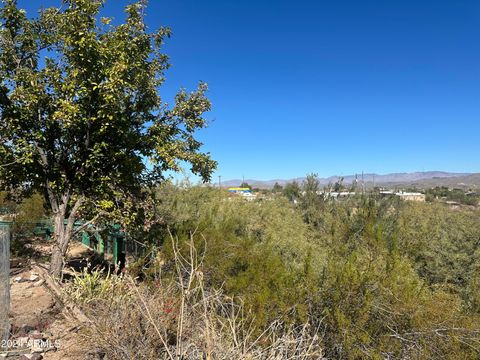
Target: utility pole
column 220, row 182
column 363, row 184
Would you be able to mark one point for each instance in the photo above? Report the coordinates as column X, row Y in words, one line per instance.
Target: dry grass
column 181, row 319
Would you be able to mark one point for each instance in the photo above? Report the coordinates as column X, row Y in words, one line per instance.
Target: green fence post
column 115, row 250
column 117, row 236
column 85, row 238
column 100, row 244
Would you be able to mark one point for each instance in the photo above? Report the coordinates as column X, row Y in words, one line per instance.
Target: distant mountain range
column 416, row 179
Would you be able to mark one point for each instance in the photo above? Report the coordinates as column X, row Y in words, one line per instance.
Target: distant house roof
column 239, row 189
column 335, row 194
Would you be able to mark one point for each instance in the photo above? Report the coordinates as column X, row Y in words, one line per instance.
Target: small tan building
column 411, row 196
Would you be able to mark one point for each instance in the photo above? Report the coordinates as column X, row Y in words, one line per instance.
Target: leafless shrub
column 182, row 319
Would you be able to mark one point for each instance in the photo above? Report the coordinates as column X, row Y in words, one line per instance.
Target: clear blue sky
column 333, row 87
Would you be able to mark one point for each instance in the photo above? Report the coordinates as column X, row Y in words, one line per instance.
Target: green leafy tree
column 339, row 186
column 81, row 116
column 312, row 200
column 292, row 191
column 277, row 188
column 245, row 185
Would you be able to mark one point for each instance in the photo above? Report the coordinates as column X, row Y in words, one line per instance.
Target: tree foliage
column 292, row 191
column 82, row 119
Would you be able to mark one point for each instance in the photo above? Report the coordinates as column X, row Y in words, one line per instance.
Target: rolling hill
column 420, row 180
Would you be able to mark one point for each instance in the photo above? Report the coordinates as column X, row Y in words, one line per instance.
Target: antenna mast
column 363, row 183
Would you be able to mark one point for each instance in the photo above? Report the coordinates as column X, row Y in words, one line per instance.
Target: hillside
column 416, row 179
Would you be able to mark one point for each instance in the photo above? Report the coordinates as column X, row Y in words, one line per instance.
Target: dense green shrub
column 456, row 195
column 259, row 252
column 380, row 278
column 28, row 213
column 443, row 244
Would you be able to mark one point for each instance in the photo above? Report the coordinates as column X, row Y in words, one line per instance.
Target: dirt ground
column 41, row 325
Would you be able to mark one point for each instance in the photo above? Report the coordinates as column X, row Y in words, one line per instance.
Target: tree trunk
column 60, row 244
column 62, row 235
column 56, row 263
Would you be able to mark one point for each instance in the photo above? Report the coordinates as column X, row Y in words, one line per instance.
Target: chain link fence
column 4, row 281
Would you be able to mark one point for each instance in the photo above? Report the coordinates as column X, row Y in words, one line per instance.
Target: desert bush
column 7, row 206
column 371, row 278
column 28, row 212
column 181, row 318
column 443, row 244
column 372, row 300
column 95, row 285
column 25, row 214
column 261, row 252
